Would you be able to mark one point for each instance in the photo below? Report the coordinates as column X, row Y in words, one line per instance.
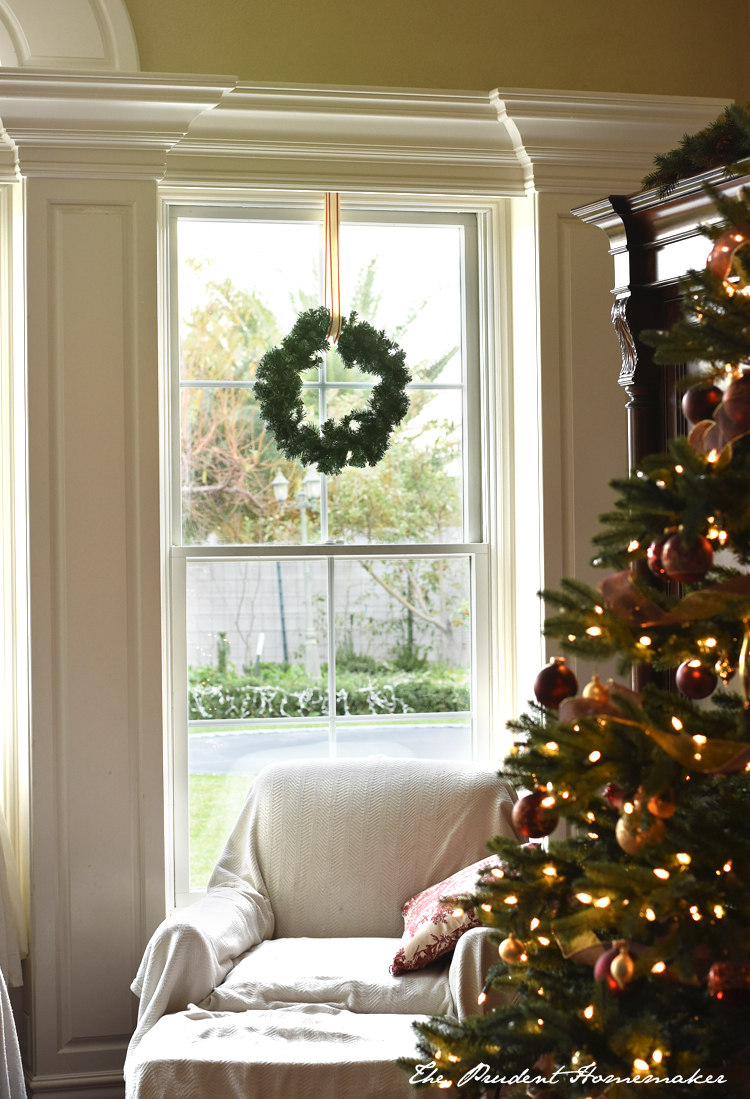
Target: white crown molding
column 567, row 141
column 80, row 35
column 97, row 125
column 349, row 139
column 216, row 131
column 276, row 135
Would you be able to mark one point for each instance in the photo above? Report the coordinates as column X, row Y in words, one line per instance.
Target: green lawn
column 215, row 801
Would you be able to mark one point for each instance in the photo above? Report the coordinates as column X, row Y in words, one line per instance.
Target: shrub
column 287, row 692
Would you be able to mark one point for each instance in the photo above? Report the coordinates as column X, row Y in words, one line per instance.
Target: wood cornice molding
column 216, row 130
column 657, row 234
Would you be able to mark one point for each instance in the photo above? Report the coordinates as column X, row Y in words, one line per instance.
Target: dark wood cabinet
column 654, row 241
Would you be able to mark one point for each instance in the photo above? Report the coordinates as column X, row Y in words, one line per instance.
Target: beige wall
column 673, row 47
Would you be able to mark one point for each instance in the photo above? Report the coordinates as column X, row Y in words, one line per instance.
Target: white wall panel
column 97, row 835
column 584, row 428
column 67, row 34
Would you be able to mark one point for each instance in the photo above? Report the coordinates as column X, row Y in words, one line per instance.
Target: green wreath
column 361, row 437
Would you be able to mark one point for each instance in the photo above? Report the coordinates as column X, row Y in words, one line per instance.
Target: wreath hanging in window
column 362, row 436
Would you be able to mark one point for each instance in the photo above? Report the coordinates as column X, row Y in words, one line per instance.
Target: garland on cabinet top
column 624, row 950
column 723, row 144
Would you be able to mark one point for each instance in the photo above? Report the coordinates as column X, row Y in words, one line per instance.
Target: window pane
column 257, row 646
column 407, row 280
column 241, row 285
column 223, row 760
column 414, row 493
column 215, row 802
column 228, row 464
column 432, row 739
column 257, row 639
column 403, row 636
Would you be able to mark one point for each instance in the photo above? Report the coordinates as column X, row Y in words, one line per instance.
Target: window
column 314, row 615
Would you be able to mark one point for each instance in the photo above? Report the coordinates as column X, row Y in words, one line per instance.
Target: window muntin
column 214, row 755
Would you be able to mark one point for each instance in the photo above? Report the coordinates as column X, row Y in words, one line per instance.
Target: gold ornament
column 662, row 805
column 632, row 838
column 596, row 690
column 512, row 951
column 623, row 966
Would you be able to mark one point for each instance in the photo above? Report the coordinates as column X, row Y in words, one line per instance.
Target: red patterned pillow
column 430, row 928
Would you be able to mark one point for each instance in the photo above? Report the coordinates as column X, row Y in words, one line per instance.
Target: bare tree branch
column 397, row 595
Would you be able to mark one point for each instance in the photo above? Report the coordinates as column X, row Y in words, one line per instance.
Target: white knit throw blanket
column 322, row 848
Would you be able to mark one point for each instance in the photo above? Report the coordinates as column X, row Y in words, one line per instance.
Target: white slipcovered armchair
column 277, row 983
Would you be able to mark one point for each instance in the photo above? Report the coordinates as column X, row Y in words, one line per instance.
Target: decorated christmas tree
column 627, row 944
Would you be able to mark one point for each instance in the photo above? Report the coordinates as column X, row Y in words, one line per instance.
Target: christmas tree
column 627, row 944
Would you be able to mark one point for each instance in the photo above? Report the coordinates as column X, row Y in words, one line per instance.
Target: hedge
column 286, row 692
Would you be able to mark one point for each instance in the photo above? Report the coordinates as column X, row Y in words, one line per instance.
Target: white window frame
column 483, row 521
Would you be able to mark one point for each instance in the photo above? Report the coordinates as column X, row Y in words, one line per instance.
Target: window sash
column 474, row 521
column 478, row 714
column 474, row 303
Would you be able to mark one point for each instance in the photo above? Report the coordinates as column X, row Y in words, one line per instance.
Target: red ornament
column 554, row 683
column 532, row 818
column 701, row 402
column 736, row 403
column 695, row 679
column 654, row 552
column 687, row 563
column 730, row 983
column 614, row 794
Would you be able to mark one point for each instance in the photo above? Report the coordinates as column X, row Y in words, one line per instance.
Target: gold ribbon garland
column 711, row 756
column 630, row 604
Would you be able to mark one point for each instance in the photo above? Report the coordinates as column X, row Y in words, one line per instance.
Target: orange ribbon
column 332, row 282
